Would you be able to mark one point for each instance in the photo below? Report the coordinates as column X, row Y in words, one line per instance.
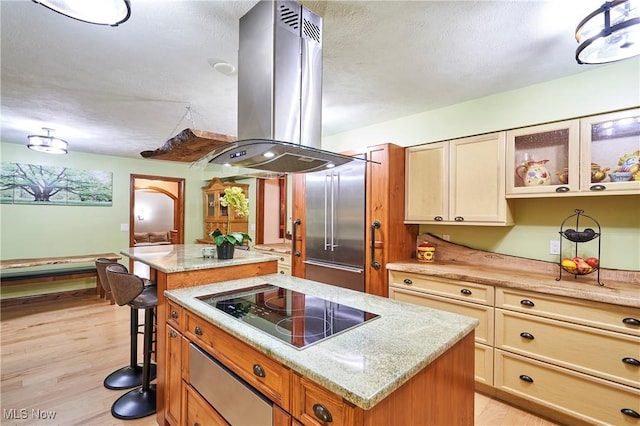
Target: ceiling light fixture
column 47, row 143
column 610, row 33
column 102, row 12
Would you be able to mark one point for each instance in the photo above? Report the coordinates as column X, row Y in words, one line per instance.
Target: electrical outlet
column 554, row 247
column 446, row 237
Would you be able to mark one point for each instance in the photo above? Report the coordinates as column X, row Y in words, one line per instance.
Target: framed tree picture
column 51, row 185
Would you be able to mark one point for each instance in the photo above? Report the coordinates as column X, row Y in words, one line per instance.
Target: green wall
column 601, row 89
column 28, row 231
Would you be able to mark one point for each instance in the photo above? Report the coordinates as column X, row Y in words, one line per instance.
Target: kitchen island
column 183, row 265
column 410, row 365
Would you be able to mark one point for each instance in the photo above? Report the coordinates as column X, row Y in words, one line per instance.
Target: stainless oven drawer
column 233, row 398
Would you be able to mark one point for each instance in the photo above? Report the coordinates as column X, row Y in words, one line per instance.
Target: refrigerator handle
column 326, row 206
column 294, row 238
column 374, row 263
column 332, row 210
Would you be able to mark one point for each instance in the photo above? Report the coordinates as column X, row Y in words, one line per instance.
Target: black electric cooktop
column 297, row 319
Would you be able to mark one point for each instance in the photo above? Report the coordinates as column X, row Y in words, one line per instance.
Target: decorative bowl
column 574, row 270
column 620, row 176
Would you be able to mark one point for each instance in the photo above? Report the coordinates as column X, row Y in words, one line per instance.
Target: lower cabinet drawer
column 624, row 319
column 314, row 405
column 284, row 269
column 268, row 376
column 484, row 314
column 461, row 290
column 610, row 355
column 588, row 398
column 199, row 412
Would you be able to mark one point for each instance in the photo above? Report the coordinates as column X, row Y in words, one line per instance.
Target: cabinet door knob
column 526, row 335
column 173, row 334
column 562, row 189
column 526, row 378
column 631, row 321
column 407, row 281
column 597, row 188
column 322, row 413
column 198, row 331
column 466, row 291
column 527, row 302
column 174, row 315
column 631, row 413
column 258, row 370
column 438, row 219
column 631, row 361
column 459, row 219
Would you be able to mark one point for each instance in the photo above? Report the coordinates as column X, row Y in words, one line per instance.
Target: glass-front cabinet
column 610, row 152
column 543, row 159
column 597, row 155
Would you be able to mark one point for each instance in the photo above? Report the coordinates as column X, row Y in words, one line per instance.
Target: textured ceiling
column 122, row 90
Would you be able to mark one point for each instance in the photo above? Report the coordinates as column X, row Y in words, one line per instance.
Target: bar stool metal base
column 127, row 377
column 135, row 404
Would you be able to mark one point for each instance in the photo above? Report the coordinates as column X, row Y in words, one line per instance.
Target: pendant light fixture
column 610, row 33
column 100, row 12
column 47, row 143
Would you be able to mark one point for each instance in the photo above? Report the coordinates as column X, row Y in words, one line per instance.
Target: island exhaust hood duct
column 279, row 92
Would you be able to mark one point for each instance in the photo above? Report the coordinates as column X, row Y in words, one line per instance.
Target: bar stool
column 129, row 376
column 129, row 289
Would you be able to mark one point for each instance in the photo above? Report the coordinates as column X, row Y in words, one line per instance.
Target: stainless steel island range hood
column 279, row 92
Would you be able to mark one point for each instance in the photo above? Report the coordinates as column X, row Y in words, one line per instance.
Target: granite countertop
column 188, row 257
column 276, row 248
column 625, row 293
column 362, row 365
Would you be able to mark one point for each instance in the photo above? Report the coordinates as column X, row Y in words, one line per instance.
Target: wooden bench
column 11, row 275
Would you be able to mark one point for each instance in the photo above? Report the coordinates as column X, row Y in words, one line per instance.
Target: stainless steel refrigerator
column 335, row 226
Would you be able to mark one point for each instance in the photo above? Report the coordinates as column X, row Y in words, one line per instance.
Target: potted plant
column 225, row 243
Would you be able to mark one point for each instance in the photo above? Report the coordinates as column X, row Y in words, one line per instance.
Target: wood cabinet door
column 391, row 239
column 173, row 376
column 610, row 143
column 427, row 183
column 477, row 188
column 557, row 146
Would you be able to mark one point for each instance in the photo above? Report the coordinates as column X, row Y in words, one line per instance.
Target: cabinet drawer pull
column 407, row 281
column 258, row 370
column 562, row 189
column 465, row 291
column 173, row 334
column 198, row 331
column 438, row 219
column 527, row 335
column 631, row 321
column 631, row 361
column 597, row 188
column 459, row 219
column 527, row 302
column 322, row 413
column 526, row 378
column 631, row 413
column 174, row 315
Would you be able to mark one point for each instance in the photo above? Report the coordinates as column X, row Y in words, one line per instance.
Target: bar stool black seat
column 129, row 289
column 129, row 376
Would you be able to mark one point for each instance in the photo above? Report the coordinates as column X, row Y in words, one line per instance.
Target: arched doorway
column 156, row 201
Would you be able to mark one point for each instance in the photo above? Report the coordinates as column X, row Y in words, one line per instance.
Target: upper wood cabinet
column 611, row 142
column 543, row 160
column 215, row 214
column 575, row 157
column 458, row 182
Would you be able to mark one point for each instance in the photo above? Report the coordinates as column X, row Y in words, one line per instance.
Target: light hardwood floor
column 55, row 356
